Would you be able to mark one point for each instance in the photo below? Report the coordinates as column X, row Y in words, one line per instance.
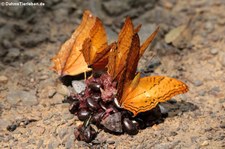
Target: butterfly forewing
column 98, row 44
column 69, row 60
column 123, row 45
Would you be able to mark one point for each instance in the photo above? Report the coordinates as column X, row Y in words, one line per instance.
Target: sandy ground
column 31, row 95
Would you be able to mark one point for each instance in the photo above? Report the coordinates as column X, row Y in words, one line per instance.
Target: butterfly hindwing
column 150, row 91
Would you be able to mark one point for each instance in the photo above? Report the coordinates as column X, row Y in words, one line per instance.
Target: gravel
column 30, row 37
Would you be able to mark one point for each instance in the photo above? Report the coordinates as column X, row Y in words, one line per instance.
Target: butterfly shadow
column 157, row 115
column 67, row 80
column 176, row 108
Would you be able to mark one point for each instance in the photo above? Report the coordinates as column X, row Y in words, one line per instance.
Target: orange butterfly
column 134, row 93
column 87, row 46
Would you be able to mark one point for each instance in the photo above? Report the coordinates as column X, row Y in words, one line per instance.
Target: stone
column 3, row 79
column 214, row 90
column 51, row 92
column 113, row 122
column 46, row 92
column 13, row 53
column 222, row 125
column 222, row 100
column 209, row 26
column 110, row 141
column 214, row 51
column 62, row 89
column 50, row 146
column 29, row 98
column 28, row 68
column 43, row 77
column 205, row 143
column 38, row 130
column 222, row 58
column 70, row 142
column 14, row 97
column 40, row 143
column 62, row 132
column 57, row 99
column 202, row 93
column 198, row 83
column 78, row 86
column 55, row 143
column 32, row 141
column 115, row 7
column 67, row 116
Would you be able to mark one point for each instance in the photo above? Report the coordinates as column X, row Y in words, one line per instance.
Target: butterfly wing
column 96, row 48
column 120, row 54
column 150, row 91
column 123, row 60
column 69, row 60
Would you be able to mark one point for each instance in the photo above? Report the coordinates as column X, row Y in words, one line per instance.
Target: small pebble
column 214, row 51
column 3, row 79
column 222, row 59
column 202, row 93
column 173, row 133
column 62, row 132
column 214, row 90
column 62, row 89
column 69, row 144
column 222, row 125
column 57, row 98
column 12, row 127
column 40, row 143
column 163, row 110
column 78, row 86
column 67, row 116
column 222, row 100
column 113, row 122
column 51, row 92
column 38, row 130
column 13, row 53
column 209, row 26
column 50, row 146
column 205, row 143
column 198, row 82
column 43, row 77
column 110, row 142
